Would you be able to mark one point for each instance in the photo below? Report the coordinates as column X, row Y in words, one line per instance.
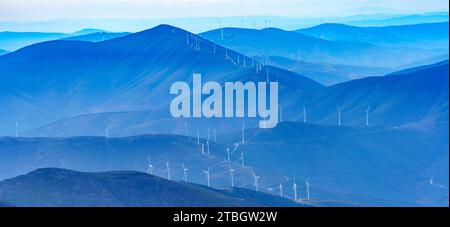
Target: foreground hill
column 60, row 187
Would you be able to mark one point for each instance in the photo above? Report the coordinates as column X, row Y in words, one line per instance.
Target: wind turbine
column 228, row 154
column 231, row 176
column 367, row 115
column 17, row 128
column 256, row 181
column 242, row 159
column 281, row 190
column 207, row 147
column 168, row 170
column 207, row 177
column 106, row 128
column 203, row 148
column 307, row 189
column 185, row 128
column 185, row 173
column 198, row 136
column 339, row 115
column 150, row 166
column 294, row 188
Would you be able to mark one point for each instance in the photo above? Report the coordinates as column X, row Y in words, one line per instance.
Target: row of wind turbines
column 231, row 170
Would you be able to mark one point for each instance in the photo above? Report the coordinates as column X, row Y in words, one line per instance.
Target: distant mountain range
column 344, row 164
column 12, row 41
column 431, row 35
column 66, row 188
column 393, row 101
column 294, row 45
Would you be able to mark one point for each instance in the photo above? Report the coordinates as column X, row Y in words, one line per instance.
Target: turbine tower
column 198, row 136
column 367, row 115
column 228, row 154
column 256, row 181
column 17, row 128
column 215, row 135
column 281, row 190
column 106, row 128
column 150, row 167
column 207, row 177
column 231, row 176
column 207, row 147
column 294, row 188
column 339, row 115
column 203, row 148
column 185, row 173
column 168, row 170
column 307, row 189
column 242, row 159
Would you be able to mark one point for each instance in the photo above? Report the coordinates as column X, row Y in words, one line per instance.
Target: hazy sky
column 26, row 10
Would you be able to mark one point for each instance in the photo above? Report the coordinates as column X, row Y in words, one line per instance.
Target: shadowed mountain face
column 131, row 73
column 276, row 42
column 60, row 187
column 412, row 96
column 433, row 35
column 344, row 164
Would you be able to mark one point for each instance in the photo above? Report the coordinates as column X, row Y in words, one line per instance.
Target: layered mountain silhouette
column 2, row 52
column 432, row 35
column 343, row 163
column 277, row 42
column 66, row 188
column 130, row 73
column 97, row 36
column 413, row 96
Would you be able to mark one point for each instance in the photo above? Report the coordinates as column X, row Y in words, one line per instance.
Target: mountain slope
column 12, row 41
column 432, row 35
column 277, row 42
column 401, row 98
column 97, row 36
column 60, row 187
column 130, row 73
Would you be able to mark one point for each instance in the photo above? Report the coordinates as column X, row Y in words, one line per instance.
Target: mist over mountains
column 364, row 117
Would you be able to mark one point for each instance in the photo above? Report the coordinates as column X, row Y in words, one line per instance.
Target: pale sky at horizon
column 22, row 10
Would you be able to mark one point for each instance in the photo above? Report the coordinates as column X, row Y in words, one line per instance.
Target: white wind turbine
column 198, row 136
column 228, row 154
column 207, row 147
column 207, row 177
column 294, row 188
column 242, row 159
column 307, row 189
column 150, row 166
column 367, row 115
column 168, row 170
column 17, row 128
column 281, row 190
column 231, row 176
column 185, row 170
column 339, row 115
column 256, row 178
column 106, row 128
column 202, row 148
